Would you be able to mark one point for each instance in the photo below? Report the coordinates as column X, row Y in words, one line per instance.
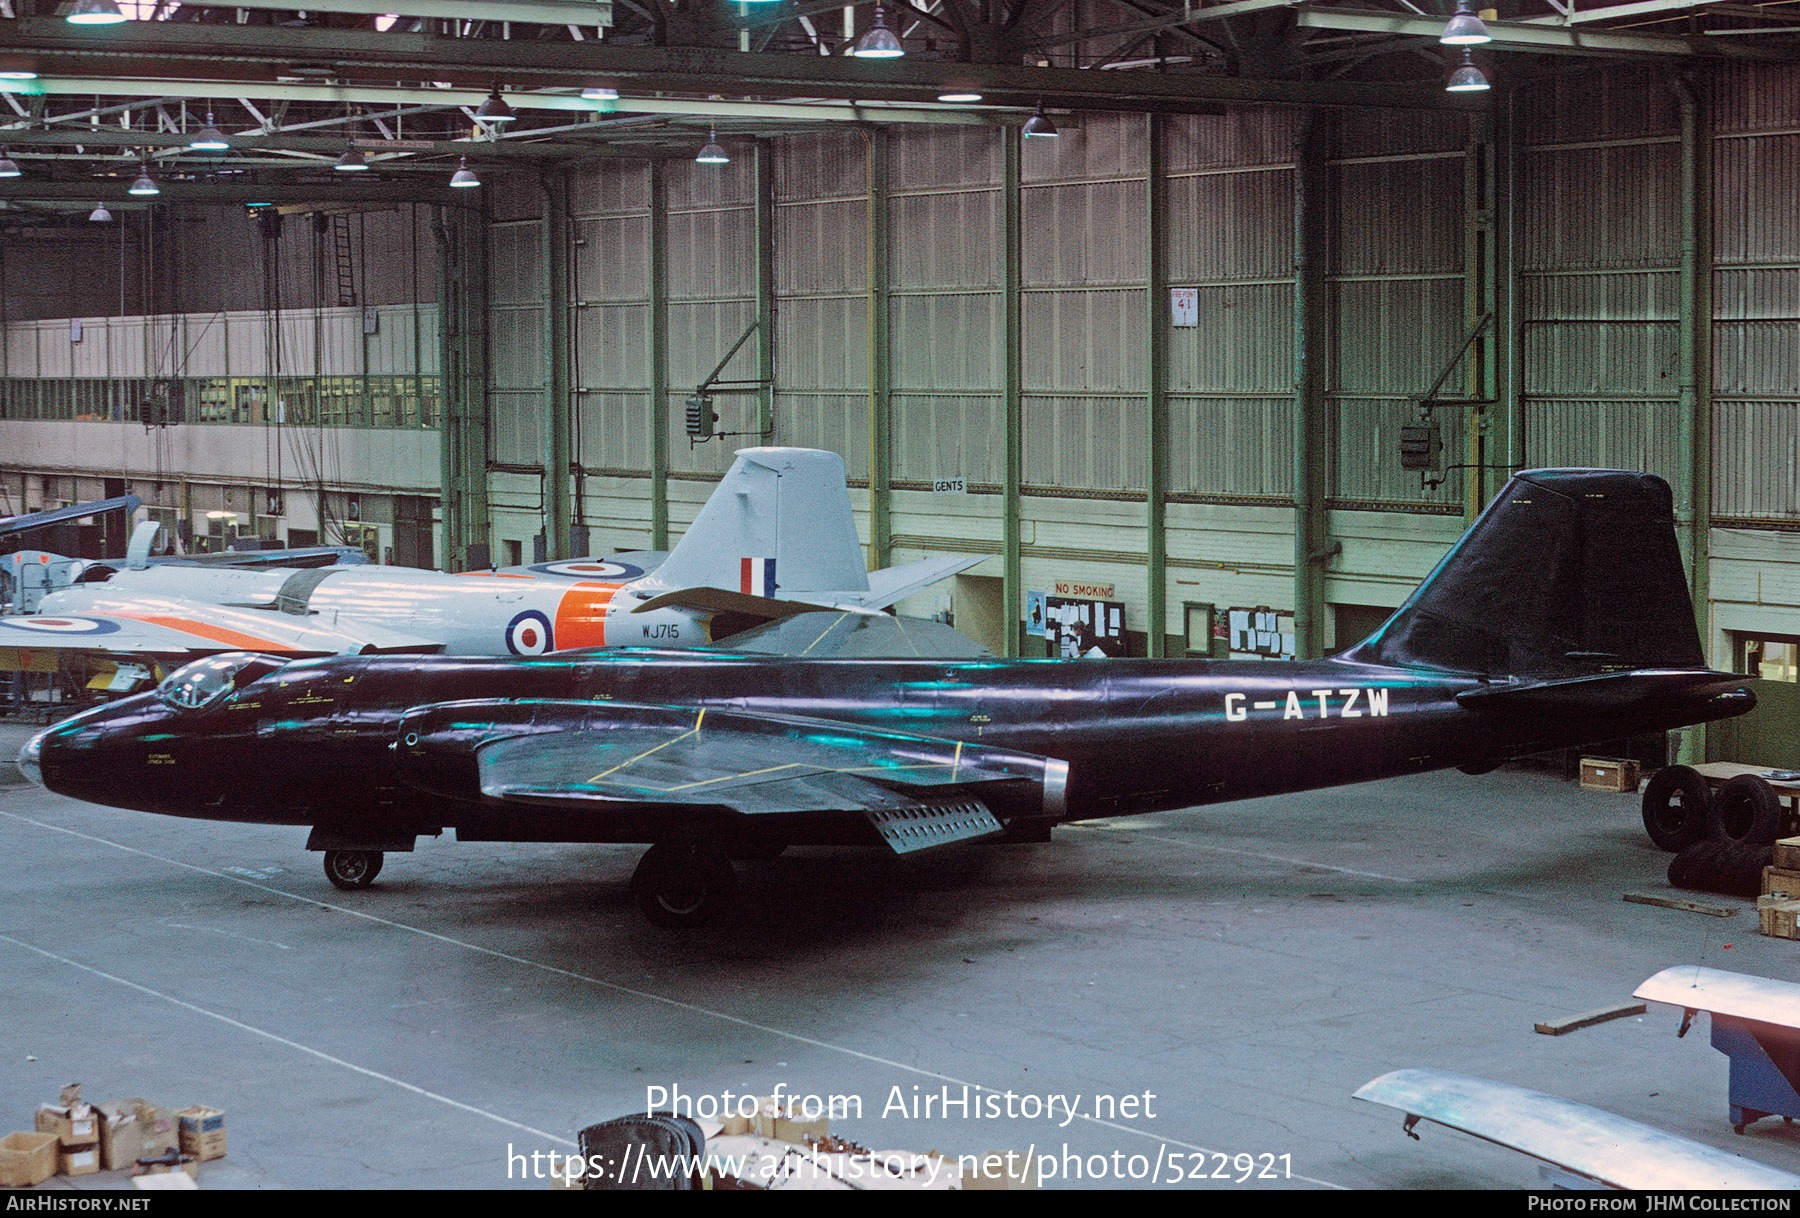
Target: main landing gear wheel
column 352, row 868
column 683, row 884
column 1677, row 801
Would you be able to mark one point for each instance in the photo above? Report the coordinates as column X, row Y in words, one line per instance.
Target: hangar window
column 1769, row 657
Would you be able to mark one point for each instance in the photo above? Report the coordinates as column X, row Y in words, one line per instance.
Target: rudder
column 1567, row 572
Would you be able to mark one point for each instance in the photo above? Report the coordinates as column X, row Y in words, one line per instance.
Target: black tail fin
column 1567, row 572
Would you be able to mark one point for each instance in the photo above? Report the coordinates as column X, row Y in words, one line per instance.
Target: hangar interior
column 1168, row 353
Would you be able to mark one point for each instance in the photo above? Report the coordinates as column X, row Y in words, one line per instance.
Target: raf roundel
column 59, row 625
column 529, row 634
column 590, row 568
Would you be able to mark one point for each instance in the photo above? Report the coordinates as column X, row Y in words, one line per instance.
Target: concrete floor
column 1248, row 965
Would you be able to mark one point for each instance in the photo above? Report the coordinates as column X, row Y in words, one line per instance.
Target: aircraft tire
column 1746, row 810
column 1728, row 868
column 682, row 885
column 1677, row 807
column 352, row 869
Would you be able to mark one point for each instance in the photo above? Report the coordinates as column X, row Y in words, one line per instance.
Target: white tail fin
column 779, row 523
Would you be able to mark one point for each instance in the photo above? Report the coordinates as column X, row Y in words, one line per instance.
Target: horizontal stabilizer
column 1609, row 1149
column 857, row 636
column 1608, row 693
column 12, row 525
column 719, row 600
column 893, row 584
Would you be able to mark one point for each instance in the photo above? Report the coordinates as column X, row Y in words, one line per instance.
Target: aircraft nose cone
column 30, row 755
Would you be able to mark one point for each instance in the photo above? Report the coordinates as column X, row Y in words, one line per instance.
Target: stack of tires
column 1722, row 841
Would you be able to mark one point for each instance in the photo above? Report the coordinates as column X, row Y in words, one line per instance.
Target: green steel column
column 1507, row 343
column 765, row 289
column 659, row 358
column 1694, row 361
column 1012, row 585
column 880, row 387
column 1478, row 302
column 558, row 430
column 1156, row 327
column 1312, row 212
column 463, row 417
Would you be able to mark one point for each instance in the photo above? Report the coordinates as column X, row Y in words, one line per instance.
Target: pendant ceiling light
column 712, row 152
column 495, row 109
column 464, row 176
column 95, row 12
column 9, row 168
column 144, row 183
column 1039, row 124
column 353, row 160
column 879, row 42
column 1466, row 78
column 209, row 138
column 100, row 215
column 1465, row 28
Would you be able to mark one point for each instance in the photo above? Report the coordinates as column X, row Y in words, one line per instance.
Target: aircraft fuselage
column 314, row 742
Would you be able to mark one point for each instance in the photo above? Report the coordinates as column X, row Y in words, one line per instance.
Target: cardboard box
column 121, row 1134
column 78, row 1160
column 1787, row 853
column 1609, row 774
column 202, row 1132
column 157, row 1126
column 27, row 1159
column 77, row 1125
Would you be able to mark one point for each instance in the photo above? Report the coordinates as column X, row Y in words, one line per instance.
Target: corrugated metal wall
column 1599, row 254
column 301, row 342
column 1756, row 295
column 946, row 316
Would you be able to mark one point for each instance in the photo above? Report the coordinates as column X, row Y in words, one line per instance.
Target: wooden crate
column 1609, row 774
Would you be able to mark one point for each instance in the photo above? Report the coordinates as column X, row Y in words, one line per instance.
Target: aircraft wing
column 1609, row 1149
column 636, row 764
column 169, row 626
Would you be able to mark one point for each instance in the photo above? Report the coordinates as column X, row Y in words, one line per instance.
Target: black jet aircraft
column 1561, row 618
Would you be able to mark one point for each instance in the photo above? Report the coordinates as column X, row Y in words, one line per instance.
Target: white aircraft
column 778, row 527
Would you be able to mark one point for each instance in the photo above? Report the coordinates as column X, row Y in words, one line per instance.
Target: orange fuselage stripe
column 581, row 615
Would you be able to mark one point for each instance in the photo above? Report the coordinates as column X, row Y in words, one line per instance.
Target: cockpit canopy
column 204, row 682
